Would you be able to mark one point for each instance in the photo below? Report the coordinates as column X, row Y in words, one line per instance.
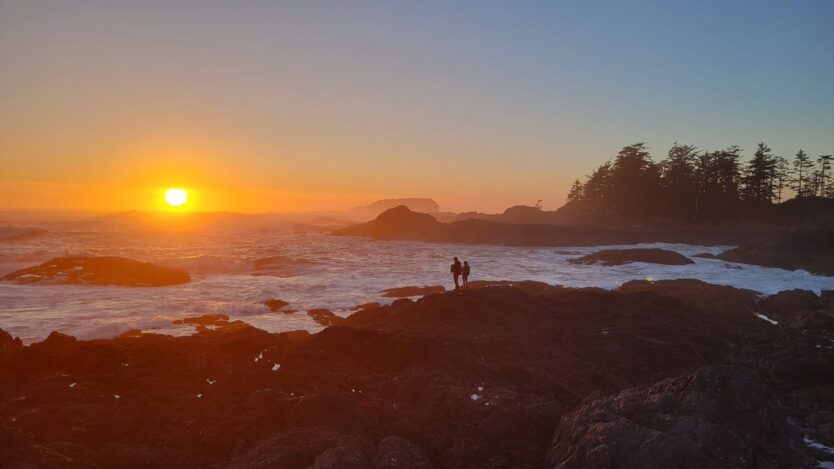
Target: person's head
column 465, row 262
column 456, row 259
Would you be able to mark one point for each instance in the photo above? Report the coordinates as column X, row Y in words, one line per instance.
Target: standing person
column 456, row 270
column 465, row 274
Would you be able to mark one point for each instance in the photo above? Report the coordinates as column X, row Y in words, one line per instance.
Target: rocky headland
column 513, row 374
column 811, row 249
column 118, row 271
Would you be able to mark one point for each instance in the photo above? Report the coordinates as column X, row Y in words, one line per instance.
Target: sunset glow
column 176, row 197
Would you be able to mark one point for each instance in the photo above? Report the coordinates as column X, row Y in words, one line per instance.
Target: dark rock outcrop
column 372, row 304
column 611, row 257
column 275, row 304
column 323, row 316
column 403, row 224
column 811, row 250
column 402, row 292
column 395, row 223
column 720, row 416
column 99, row 271
column 477, row 378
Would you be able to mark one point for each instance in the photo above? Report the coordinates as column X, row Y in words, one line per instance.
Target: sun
column 176, row 197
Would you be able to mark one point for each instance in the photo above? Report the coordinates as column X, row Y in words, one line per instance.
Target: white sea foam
column 765, row 318
column 344, row 272
column 208, row 264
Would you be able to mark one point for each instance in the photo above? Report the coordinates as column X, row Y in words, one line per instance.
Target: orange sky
column 314, row 106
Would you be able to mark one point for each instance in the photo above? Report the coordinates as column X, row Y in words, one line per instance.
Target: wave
column 208, row 264
column 11, row 233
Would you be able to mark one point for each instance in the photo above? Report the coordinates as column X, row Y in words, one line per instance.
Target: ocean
column 313, row 271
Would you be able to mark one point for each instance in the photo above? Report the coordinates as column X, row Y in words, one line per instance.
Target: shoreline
column 503, row 373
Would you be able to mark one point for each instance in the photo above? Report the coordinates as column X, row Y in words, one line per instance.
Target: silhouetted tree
column 802, row 166
column 575, row 193
column 759, row 176
column 718, row 176
column 634, row 182
column 823, row 175
column 704, row 186
column 782, row 176
column 597, row 189
column 678, row 181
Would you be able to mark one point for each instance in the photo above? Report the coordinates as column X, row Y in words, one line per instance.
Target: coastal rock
column 476, row 378
column 612, row 257
column 398, row 453
column 395, row 223
column 516, row 228
column 402, row 292
column 719, row 416
column 706, row 297
column 796, row 309
column 811, row 250
column 8, row 344
column 99, row 271
column 275, row 304
column 323, row 316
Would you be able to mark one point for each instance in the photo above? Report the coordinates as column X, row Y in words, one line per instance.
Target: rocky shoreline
column 653, row 374
column 809, row 248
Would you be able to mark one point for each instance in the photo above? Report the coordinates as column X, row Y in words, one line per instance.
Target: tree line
column 699, row 185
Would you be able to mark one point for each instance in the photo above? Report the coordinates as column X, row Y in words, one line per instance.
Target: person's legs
column 457, row 286
column 465, row 281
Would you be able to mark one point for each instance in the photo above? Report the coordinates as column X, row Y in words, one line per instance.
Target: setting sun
column 176, row 197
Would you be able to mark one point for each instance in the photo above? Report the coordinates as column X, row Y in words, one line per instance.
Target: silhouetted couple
column 458, row 270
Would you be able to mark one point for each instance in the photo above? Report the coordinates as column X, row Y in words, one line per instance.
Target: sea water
column 323, row 271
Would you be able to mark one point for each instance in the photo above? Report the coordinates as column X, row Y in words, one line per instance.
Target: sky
column 292, row 106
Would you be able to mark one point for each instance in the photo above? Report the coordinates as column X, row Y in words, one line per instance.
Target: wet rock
column 793, row 308
column 347, row 455
column 99, row 271
column 612, row 257
column 275, row 304
column 402, row 292
column 478, row 378
column 370, row 305
column 323, row 316
column 204, row 320
column 811, row 250
column 720, row 416
column 706, row 297
column 398, row 453
column 706, row 255
column 527, row 286
column 8, row 344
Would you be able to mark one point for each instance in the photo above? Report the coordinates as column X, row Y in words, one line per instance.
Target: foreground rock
column 99, row 271
column 611, row 257
column 719, row 416
column 324, row 317
column 402, row 292
column 499, row 376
